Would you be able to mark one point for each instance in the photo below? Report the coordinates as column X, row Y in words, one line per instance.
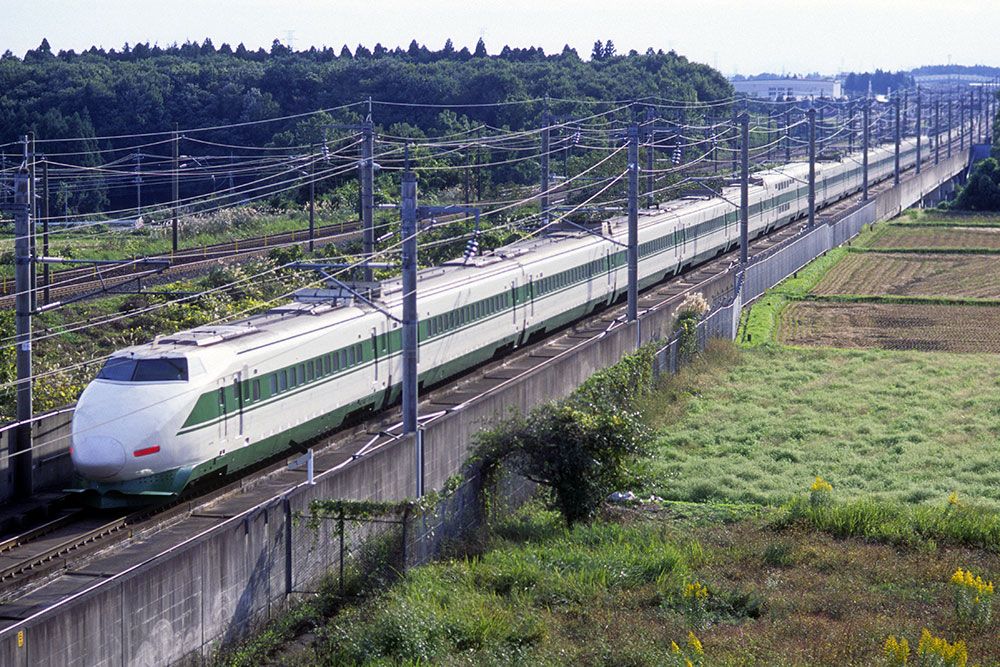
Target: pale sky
column 745, row 36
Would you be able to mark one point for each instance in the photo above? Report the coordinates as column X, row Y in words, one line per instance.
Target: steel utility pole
column 899, row 139
column 408, row 229
column 544, row 198
column 982, row 116
column 850, row 126
column 46, row 277
column 175, row 191
column 32, row 160
column 633, row 228
column 734, row 149
column 788, row 138
column 822, row 122
column 650, row 157
column 866, row 138
column 919, row 131
column 961, row 123
column 367, row 168
column 745, row 189
column 972, row 118
column 138, row 184
column 906, row 109
column 312, row 199
column 812, row 167
column 23, row 266
column 937, row 130
column 951, row 119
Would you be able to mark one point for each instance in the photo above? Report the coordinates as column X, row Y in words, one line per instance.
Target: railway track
column 70, row 282
column 58, row 543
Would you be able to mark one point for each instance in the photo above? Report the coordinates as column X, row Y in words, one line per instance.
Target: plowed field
column 899, row 236
column 892, row 326
column 959, row 275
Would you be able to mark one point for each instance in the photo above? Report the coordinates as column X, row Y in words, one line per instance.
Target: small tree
column 982, row 192
column 581, row 456
column 580, row 447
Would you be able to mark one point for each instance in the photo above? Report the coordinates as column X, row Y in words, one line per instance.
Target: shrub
column 688, row 315
column 580, row 447
column 579, row 455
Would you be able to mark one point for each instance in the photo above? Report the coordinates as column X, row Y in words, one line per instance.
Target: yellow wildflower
column 695, row 644
column 897, row 650
column 821, row 485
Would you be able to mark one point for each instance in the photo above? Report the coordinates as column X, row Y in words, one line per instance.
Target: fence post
column 287, row 505
column 340, row 529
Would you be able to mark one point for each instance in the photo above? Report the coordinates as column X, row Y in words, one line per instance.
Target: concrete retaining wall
column 51, row 467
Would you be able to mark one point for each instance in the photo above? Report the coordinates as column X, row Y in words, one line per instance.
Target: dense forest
column 147, row 89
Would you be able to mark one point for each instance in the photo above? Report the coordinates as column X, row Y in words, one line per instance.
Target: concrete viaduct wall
column 214, row 586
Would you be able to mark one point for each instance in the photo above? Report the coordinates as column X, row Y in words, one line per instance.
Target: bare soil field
column 944, row 275
column 891, row 326
column 909, row 237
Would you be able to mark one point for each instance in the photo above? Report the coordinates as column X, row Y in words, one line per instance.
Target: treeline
column 145, row 88
column 881, row 82
column 975, row 70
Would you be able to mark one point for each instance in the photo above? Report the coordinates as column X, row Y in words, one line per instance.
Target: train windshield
column 121, row 369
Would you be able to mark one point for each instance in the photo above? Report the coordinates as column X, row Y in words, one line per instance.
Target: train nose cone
column 99, row 457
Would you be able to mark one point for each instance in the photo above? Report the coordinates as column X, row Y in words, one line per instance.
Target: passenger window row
column 313, row 369
column 461, row 316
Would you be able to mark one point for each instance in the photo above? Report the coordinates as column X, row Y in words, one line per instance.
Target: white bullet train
column 216, row 399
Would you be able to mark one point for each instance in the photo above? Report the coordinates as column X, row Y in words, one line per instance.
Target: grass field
column 611, row 593
column 942, row 275
column 902, row 426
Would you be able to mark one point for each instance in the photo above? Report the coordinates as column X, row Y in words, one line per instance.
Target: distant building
column 951, row 81
column 773, row 89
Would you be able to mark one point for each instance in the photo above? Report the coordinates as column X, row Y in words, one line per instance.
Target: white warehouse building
column 784, row 88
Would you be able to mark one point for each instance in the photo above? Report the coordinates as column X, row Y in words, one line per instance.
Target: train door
column 223, row 405
column 241, row 385
column 531, row 297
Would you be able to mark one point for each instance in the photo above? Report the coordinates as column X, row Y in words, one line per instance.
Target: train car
column 218, row 399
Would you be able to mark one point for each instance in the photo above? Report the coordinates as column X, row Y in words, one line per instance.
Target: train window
column 282, row 380
column 359, row 351
column 302, row 373
column 293, row 376
column 309, row 371
column 274, row 383
column 117, row 368
column 246, row 390
column 326, row 364
column 256, row 390
column 343, row 358
column 144, row 370
column 350, row 356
